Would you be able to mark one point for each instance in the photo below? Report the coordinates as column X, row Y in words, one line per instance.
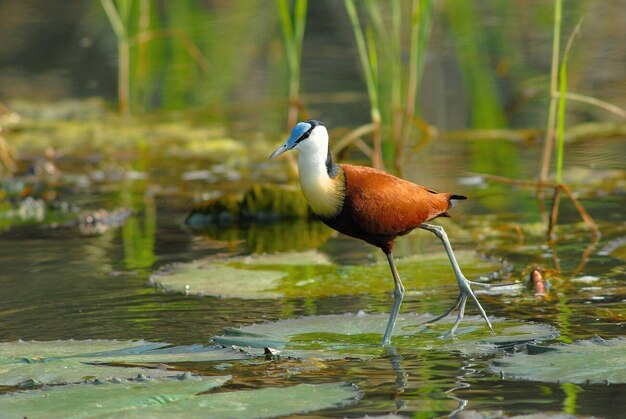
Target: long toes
column 461, row 300
column 448, row 311
column 488, row 286
column 482, row 312
column 480, row 284
column 448, row 334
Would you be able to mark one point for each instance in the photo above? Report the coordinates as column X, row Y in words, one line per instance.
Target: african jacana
column 374, row 206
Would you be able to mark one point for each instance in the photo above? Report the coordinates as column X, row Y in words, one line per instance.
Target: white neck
column 323, row 193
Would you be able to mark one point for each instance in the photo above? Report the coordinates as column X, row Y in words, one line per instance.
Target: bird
column 374, row 206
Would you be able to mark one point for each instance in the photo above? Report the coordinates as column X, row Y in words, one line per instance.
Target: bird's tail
column 454, row 200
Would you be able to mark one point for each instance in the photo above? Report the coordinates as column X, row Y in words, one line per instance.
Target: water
column 60, row 282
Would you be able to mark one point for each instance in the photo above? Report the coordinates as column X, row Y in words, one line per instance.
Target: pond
column 93, row 237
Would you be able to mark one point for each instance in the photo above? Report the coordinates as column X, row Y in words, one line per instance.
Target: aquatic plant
column 293, row 23
column 387, row 76
column 76, row 379
column 123, row 50
column 130, row 22
column 7, row 160
column 557, row 111
column 555, row 131
column 260, row 203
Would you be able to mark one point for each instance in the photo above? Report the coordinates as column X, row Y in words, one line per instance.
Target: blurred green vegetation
column 179, row 51
column 216, row 82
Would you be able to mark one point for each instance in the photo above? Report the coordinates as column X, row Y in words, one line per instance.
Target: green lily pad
column 309, row 257
column 174, row 398
column 32, row 351
column 359, row 335
column 62, row 362
column 310, row 274
column 69, row 371
column 219, row 280
column 266, row 402
column 105, row 399
column 595, row 360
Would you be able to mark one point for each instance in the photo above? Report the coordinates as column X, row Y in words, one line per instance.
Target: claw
column 464, row 284
column 460, row 302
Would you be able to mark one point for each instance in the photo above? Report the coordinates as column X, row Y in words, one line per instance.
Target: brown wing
column 382, row 204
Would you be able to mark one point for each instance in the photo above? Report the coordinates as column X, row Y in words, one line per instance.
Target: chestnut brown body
column 379, row 207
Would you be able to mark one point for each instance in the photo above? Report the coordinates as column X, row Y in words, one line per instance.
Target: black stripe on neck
column 331, row 167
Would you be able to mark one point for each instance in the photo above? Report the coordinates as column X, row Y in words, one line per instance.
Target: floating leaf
column 174, row 398
column 105, row 399
column 266, row 402
column 359, row 335
column 39, row 350
column 309, row 257
column 309, row 274
column 217, row 279
column 68, row 371
column 61, row 362
column 167, row 355
column 594, row 360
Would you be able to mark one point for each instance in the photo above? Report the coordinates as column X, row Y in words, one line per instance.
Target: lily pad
column 595, row 360
column 310, row 274
column 62, row 362
column 309, row 257
column 105, row 399
column 359, row 335
column 220, row 280
column 69, row 371
column 174, row 398
column 266, row 402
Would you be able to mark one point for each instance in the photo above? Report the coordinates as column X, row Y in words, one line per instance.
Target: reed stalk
column 7, row 154
column 367, row 59
column 123, row 51
column 562, row 99
column 420, row 29
column 392, row 86
column 550, row 130
column 293, row 25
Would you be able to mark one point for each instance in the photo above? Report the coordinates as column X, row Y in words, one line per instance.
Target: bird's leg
column 464, row 284
column 398, row 295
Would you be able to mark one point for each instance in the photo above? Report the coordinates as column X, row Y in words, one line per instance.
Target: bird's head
column 306, row 136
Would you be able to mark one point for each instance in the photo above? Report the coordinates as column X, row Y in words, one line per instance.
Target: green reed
column 293, row 23
column 114, row 12
column 137, row 25
column 556, row 127
column 560, row 124
column 392, row 84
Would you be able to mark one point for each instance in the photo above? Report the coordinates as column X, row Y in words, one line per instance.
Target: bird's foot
column 461, row 300
column 489, row 286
